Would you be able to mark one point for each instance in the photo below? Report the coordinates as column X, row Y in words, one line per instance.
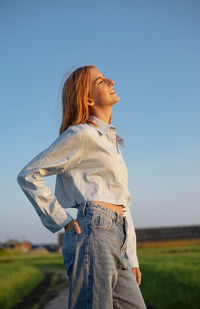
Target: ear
column 90, row 102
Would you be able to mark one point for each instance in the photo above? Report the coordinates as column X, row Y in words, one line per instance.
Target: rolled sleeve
column 64, row 153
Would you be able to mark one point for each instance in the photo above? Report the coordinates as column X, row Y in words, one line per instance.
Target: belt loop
column 84, row 208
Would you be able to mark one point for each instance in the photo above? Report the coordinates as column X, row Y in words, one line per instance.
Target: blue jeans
column 100, row 276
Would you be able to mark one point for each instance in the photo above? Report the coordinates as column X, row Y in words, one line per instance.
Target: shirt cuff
column 62, row 217
column 133, row 261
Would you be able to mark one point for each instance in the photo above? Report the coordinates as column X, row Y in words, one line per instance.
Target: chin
column 115, row 101
column 117, row 98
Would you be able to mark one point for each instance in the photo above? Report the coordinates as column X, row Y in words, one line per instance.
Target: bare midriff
column 114, row 207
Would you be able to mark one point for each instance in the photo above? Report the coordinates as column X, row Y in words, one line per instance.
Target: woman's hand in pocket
column 73, row 224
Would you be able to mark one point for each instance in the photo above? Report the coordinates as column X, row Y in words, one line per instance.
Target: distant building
column 50, row 247
column 158, row 234
column 60, row 240
column 23, row 246
column 168, row 233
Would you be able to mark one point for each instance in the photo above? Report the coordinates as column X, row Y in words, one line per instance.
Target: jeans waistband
column 88, row 206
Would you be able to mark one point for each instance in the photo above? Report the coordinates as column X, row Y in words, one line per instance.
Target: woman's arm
column 131, row 244
column 64, row 153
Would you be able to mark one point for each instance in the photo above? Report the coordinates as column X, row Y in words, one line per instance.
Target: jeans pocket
column 69, row 248
column 101, row 221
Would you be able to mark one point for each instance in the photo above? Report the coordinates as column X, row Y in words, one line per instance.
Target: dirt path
column 59, row 301
column 45, row 291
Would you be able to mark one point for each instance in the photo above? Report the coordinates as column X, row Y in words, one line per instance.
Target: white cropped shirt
column 89, row 165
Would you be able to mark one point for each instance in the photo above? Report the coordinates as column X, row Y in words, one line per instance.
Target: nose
column 111, row 81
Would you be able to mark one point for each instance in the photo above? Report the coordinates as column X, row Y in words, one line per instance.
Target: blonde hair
column 75, row 93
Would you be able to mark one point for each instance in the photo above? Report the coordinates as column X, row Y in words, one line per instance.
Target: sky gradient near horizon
column 151, row 50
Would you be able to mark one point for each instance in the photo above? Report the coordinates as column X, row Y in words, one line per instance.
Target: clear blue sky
column 151, row 50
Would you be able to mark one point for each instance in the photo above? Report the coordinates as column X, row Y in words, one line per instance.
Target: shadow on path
column 47, row 289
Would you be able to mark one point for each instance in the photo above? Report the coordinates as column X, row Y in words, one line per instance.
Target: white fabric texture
column 89, row 165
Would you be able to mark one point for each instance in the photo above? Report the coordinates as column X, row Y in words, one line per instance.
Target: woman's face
column 102, row 91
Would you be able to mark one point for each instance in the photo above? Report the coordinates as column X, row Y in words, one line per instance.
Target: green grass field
column 16, row 281
column 170, row 276
column 20, row 273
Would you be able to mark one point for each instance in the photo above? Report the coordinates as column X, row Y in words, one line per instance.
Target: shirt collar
column 103, row 128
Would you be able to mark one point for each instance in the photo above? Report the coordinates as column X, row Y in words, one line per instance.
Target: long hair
column 75, row 93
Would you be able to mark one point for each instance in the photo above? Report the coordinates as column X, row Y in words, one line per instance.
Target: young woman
column 99, row 247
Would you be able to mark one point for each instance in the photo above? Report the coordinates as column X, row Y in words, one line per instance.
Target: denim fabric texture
column 88, row 164
column 96, row 262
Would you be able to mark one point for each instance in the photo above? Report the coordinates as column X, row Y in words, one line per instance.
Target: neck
column 104, row 116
